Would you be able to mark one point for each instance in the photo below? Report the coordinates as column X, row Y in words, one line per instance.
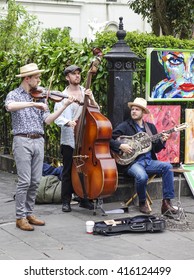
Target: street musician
column 143, row 164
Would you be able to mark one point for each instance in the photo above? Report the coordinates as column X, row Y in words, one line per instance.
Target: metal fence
column 52, row 149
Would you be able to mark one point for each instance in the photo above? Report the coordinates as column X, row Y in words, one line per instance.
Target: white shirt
column 71, row 113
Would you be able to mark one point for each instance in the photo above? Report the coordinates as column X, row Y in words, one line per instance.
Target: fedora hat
column 139, row 102
column 29, row 70
column 71, row 69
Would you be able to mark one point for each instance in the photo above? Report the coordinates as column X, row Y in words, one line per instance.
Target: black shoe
column 85, row 203
column 66, row 207
column 76, row 198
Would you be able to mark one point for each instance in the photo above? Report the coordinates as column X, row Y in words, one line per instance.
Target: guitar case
column 140, row 223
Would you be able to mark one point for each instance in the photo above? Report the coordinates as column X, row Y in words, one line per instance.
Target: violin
column 56, row 96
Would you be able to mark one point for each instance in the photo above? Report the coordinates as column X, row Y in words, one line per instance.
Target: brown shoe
column 35, row 221
column 167, row 207
column 144, row 207
column 24, row 224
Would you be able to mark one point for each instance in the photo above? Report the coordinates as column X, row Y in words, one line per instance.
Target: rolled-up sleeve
column 63, row 118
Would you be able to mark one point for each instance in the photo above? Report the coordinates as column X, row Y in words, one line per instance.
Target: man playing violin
column 28, row 142
column 67, row 122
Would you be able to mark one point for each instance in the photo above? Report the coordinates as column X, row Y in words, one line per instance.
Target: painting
column 169, row 75
column 189, row 136
column 166, row 117
column 189, row 176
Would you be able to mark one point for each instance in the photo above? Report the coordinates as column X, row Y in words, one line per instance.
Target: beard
column 136, row 118
column 75, row 82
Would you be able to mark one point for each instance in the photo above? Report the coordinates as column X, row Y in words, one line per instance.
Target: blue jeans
column 141, row 173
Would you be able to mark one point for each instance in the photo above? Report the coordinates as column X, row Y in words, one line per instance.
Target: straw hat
column 29, row 70
column 139, row 102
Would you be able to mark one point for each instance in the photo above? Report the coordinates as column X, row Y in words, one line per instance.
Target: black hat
column 71, row 68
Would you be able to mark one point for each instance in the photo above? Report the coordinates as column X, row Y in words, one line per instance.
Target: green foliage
column 55, row 35
column 19, row 31
column 174, row 17
column 56, row 50
column 9, row 64
column 181, row 15
column 138, row 43
column 142, row 7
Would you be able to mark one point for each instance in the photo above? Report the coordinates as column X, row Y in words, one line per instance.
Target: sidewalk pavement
column 64, row 236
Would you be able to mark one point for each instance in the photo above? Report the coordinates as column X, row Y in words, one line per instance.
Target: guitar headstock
column 181, row 126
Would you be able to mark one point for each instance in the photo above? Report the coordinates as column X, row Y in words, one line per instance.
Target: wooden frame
column 189, row 136
column 189, row 176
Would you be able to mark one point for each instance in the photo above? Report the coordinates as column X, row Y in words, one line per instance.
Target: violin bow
column 49, row 88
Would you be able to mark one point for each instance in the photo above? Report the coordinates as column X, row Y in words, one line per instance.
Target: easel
column 180, row 211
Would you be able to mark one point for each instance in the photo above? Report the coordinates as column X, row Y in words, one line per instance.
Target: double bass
column 94, row 171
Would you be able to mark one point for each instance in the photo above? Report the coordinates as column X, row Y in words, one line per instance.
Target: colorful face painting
column 177, row 77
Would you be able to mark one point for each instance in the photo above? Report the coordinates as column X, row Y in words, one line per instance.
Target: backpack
column 49, row 190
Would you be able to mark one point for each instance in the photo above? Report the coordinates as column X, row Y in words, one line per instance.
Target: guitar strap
column 147, row 129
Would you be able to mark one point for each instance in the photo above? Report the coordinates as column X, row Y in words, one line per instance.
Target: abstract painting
column 189, row 136
column 169, row 75
column 166, row 117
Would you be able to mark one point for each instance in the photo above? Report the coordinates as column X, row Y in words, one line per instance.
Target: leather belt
column 31, row 136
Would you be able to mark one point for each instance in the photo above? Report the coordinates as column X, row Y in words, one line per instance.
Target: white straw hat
column 29, row 70
column 139, row 102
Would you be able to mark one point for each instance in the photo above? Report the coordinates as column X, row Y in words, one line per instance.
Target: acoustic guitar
column 141, row 143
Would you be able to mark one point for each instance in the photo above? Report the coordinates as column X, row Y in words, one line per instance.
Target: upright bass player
column 85, row 140
column 67, row 123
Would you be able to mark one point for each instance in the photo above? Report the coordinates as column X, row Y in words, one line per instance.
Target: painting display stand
column 180, row 211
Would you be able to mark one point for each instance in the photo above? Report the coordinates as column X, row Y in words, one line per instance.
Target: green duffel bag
column 49, row 190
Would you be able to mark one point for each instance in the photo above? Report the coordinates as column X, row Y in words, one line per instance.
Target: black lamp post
column 121, row 65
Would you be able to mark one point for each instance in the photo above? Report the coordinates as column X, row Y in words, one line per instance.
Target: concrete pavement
column 64, row 237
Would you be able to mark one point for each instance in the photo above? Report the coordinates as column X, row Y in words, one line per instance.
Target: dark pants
column 66, row 186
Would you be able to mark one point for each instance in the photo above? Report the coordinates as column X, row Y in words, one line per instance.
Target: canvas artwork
column 189, row 175
column 189, row 136
column 166, row 117
column 169, row 75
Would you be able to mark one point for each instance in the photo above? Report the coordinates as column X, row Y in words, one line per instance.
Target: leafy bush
column 55, row 55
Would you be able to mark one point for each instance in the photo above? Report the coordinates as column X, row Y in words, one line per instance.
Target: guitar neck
column 158, row 136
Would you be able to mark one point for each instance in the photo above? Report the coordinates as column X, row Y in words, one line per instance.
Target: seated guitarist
column 145, row 164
